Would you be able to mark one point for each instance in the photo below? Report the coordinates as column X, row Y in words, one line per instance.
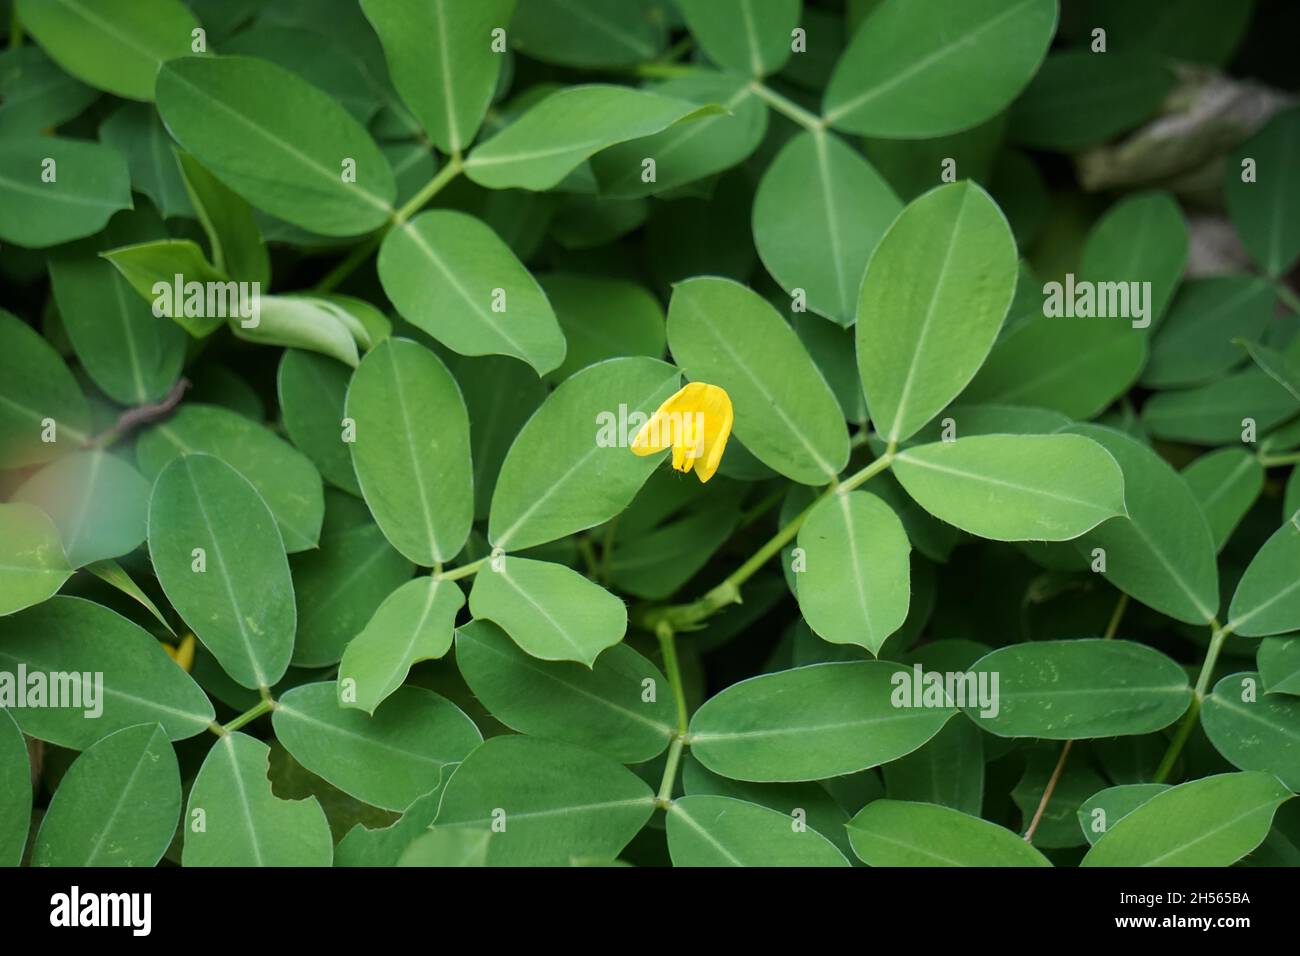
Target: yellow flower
column 183, row 655
column 695, row 423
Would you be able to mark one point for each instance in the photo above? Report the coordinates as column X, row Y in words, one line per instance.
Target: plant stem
column 1193, row 712
column 668, row 644
column 1111, row 628
column 362, row 252
column 263, row 706
column 1047, row 793
column 664, row 71
column 15, row 31
column 682, row 616
column 1284, row 293
column 788, row 108
column 139, row 415
column 1274, row 461
column 464, row 571
column 455, row 166
column 349, row 263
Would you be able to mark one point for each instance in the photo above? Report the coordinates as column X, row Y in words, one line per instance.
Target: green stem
column 445, row 175
column 15, row 31
column 1274, row 461
column 1287, row 296
column 263, row 706
column 788, row 108
column 464, row 571
column 1193, row 712
column 664, row 71
column 362, row 252
column 672, row 667
column 349, row 263
column 682, row 616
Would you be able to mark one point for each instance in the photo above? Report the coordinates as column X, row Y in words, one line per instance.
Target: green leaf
column 603, row 708
column 1194, row 344
column 690, row 151
column 751, row 37
column 236, row 244
column 96, row 499
column 411, row 452
column 819, row 212
column 311, row 389
column 917, row 70
column 589, row 33
column 35, row 94
column 302, row 322
column 1075, row 690
column 709, row 830
column 1080, row 99
column 16, row 798
column 112, row 573
column 1225, row 483
column 286, row 480
column 725, row 334
column 1279, row 665
column 823, row 812
column 603, row 319
column 341, row 584
column 1279, row 366
column 444, row 846
column 384, row 847
column 141, row 684
column 809, row 723
column 557, row 802
column 500, row 394
column 55, row 190
column 899, row 833
column 134, row 356
column 35, row 386
column 33, row 565
column 1214, row 821
column 556, row 479
column 1015, row 487
column 555, row 136
column 1075, row 366
column 117, row 805
column 948, row 770
column 387, row 760
column 151, row 269
column 114, row 45
column 221, row 563
column 453, row 277
column 245, row 824
column 933, row 299
column 1142, row 238
column 856, row 586
column 415, row 623
column 278, row 141
column 1260, row 208
column 1254, row 730
column 441, row 59
column 135, row 131
column 1212, row 414
column 1163, row 552
column 1107, row 807
column 1267, row 600
column 549, row 610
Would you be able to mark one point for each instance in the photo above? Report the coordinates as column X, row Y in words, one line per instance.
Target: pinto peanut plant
column 693, row 432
